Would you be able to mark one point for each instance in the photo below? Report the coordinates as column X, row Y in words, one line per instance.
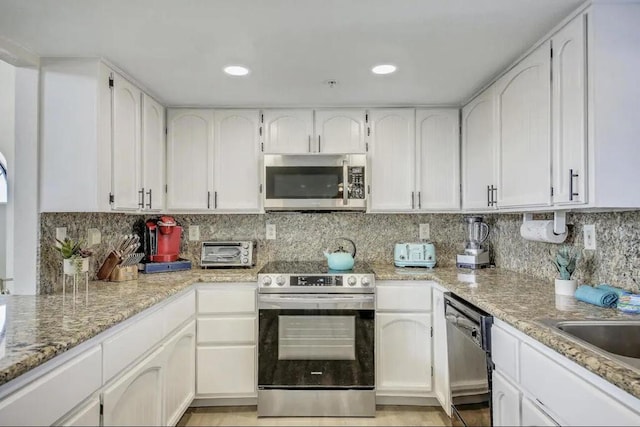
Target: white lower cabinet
column 180, row 373
column 440, row 352
column 403, row 339
column 227, row 370
column 533, row 415
column 87, row 414
column 505, row 401
column 135, row 399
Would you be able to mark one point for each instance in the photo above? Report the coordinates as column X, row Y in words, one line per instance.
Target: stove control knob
column 266, row 281
column 365, row 281
column 245, row 253
column 280, row 280
column 245, row 260
column 352, row 281
column 245, row 245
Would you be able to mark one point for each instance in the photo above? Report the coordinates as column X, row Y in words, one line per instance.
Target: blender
column 475, row 255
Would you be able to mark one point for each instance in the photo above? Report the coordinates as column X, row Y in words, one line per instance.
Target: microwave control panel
column 356, row 182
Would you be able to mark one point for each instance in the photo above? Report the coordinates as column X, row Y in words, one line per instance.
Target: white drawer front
column 176, row 313
column 50, row 397
column 131, row 343
column 504, row 352
column 225, row 330
column 563, row 392
column 403, row 296
column 225, row 300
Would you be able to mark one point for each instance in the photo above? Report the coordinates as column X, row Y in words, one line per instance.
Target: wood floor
column 246, row 416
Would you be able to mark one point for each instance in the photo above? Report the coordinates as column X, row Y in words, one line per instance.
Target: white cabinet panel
column 126, row 145
column 438, row 159
column 153, row 154
column 504, row 352
column 189, row 159
column 221, row 300
column 227, row 330
column 135, row 399
column 533, row 415
column 505, row 402
column 178, row 311
column 392, row 160
column 524, row 104
column 236, row 160
column 440, row 353
column 180, row 373
column 339, row 131
column 226, row 371
column 479, row 141
column 569, row 113
column 403, row 295
column 88, row 414
column 288, row 131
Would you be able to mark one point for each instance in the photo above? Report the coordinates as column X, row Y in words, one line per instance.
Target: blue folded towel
column 610, row 288
column 595, row 296
column 629, row 308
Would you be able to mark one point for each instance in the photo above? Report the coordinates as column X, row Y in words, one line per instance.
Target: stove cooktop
column 311, row 267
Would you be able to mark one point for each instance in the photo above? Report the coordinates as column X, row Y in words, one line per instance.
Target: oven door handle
column 316, row 301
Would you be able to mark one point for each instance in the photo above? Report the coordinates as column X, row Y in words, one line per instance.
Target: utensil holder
column 108, row 265
column 123, row 274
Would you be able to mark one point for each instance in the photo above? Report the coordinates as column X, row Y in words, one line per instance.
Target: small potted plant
column 565, row 260
column 75, row 257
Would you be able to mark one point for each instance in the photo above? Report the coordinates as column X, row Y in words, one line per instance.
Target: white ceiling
column 445, row 50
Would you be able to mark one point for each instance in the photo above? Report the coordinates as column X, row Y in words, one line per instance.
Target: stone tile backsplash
column 305, row 236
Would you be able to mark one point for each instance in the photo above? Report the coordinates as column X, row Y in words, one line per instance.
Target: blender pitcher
column 477, row 233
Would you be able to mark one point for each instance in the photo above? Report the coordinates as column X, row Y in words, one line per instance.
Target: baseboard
column 224, row 401
column 409, row 401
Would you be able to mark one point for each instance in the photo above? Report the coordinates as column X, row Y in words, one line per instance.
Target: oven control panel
column 328, row 283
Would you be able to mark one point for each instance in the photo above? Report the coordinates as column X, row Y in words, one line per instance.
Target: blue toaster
column 414, row 255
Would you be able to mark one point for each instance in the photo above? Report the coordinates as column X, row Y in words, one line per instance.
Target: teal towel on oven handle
column 595, row 296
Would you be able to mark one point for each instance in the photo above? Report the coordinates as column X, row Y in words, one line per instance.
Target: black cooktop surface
column 310, row 267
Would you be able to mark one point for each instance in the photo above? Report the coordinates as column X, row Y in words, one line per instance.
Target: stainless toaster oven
column 228, row 254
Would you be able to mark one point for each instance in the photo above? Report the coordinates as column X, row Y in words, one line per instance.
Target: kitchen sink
column 619, row 339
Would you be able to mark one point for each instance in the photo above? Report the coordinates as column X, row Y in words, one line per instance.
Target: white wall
column 7, row 138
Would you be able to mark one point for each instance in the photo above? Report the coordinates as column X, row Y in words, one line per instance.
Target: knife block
column 122, row 274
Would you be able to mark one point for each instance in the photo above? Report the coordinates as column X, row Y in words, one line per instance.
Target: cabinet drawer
column 54, row 394
column 403, row 296
column 176, row 313
column 131, row 343
column 227, row 330
column 504, row 352
column 227, row 371
column 563, row 392
column 226, row 300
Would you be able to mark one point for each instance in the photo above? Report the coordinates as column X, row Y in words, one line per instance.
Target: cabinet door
column 524, row 103
column 135, row 399
column 568, row 121
column 237, row 161
column 190, row 159
column 339, row 131
column 153, row 154
column 438, row 159
column 288, row 131
column 88, row 414
column 180, row 373
column 403, row 349
column 226, row 371
column 532, row 415
column 392, row 160
column 126, row 145
column 505, row 401
column 479, row 141
column 440, row 358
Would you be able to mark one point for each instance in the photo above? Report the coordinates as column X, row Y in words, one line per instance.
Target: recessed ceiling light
column 236, row 70
column 384, row 69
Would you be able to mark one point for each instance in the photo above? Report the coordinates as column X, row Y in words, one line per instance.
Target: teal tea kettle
column 341, row 259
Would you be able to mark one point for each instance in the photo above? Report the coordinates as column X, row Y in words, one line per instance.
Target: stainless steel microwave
column 315, row 182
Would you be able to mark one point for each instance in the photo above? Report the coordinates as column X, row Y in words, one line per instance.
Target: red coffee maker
column 164, row 236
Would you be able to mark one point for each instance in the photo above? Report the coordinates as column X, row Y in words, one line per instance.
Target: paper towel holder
column 559, row 221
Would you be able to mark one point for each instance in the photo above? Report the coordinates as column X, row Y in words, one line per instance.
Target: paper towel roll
column 541, row 231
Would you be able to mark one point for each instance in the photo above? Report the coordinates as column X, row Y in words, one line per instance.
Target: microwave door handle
column 345, row 183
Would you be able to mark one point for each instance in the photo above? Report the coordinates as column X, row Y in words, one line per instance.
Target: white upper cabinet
column 568, row 108
column 392, row 160
column 479, row 136
column 237, row 160
column 189, row 159
column 524, row 143
column 438, row 159
column 339, row 131
column 288, row 131
column 153, row 154
column 125, row 147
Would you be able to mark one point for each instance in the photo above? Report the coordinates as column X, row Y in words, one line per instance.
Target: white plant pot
column 70, row 266
column 566, row 287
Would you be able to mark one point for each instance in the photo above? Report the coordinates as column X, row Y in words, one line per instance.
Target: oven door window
column 316, row 348
column 297, row 182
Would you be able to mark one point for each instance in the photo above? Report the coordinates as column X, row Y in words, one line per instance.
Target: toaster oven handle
column 345, row 183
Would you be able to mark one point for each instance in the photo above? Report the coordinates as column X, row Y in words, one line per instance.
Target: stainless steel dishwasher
column 470, row 366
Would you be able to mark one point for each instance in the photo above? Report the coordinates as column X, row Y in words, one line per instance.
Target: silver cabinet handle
column 489, row 194
column 215, row 200
column 413, row 200
column 571, row 176
column 149, row 205
column 208, row 199
column 141, row 194
column 419, row 199
column 345, row 182
column 309, row 143
column 319, row 150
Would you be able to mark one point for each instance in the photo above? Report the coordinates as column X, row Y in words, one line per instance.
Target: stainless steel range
column 316, row 340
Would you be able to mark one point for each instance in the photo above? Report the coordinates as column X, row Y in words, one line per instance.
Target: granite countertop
column 42, row 326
